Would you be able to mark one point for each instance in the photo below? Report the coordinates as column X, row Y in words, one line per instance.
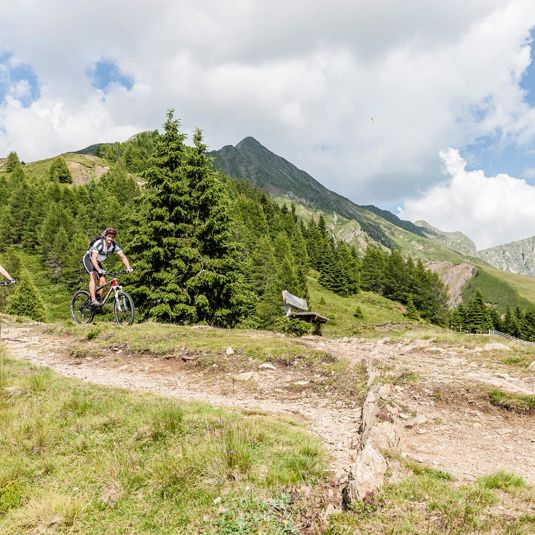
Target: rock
column 301, row 383
column 365, row 476
column 496, row 346
column 404, row 416
column 532, row 366
column 384, row 390
column 246, row 376
column 504, row 431
column 266, row 366
column 229, row 351
column 473, row 364
column 418, row 420
column 186, row 358
column 217, row 500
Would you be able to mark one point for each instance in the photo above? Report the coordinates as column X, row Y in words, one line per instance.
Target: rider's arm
column 94, row 261
column 124, row 260
column 5, row 273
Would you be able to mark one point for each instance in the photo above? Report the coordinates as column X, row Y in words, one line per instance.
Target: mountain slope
column 454, row 240
column 249, row 159
column 516, row 257
column 356, row 224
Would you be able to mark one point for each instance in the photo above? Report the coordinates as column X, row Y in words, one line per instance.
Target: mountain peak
column 249, row 142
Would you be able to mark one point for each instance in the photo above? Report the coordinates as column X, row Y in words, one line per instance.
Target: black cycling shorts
column 88, row 265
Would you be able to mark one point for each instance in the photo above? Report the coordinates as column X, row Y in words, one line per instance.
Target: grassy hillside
column 83, row 167
column 379, row 314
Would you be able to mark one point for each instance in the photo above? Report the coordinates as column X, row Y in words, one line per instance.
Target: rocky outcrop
column 368, row 473
column 456, row 241
column 516, row 257
column 454, row 276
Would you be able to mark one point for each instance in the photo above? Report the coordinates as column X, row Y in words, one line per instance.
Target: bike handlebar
column 122, row 272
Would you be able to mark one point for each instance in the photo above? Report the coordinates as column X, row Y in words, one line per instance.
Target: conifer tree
column 372, row 270
column 186, row 263
column 26, row 299
column 12, row 162
column 59, row 171
column 411, row 312
column 477, row 315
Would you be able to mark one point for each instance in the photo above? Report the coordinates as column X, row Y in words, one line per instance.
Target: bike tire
column 123, row 309
column 81, row 310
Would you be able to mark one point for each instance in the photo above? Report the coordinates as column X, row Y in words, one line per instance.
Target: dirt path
column 438, row 394
column 336, row 426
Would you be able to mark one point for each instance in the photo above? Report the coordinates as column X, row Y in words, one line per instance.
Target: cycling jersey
column 103, row 251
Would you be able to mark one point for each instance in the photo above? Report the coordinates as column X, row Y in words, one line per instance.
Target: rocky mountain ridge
column 516, row 257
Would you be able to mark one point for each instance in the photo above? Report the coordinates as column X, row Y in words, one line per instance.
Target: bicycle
column 82, row 311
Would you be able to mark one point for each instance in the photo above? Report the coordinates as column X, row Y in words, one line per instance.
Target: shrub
column 358, row 313
column 291, row 326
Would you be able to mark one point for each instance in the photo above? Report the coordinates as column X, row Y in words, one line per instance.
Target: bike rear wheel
column 123, row 309
column 81, row 309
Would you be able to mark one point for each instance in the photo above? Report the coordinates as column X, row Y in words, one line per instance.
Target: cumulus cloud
column 359, row 93
column 491, row 210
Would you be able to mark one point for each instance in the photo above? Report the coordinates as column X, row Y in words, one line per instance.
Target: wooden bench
column 298, row 308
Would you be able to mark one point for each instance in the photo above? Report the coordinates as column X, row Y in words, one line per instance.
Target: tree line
column 206, row 248
column 477, row 316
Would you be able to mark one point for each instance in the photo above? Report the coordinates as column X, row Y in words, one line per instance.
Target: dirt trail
column 336, row 426
column 437, row 393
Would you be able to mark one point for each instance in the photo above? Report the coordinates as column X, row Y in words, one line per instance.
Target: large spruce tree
column 187, row 267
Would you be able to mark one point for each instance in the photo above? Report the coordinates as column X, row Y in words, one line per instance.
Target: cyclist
column 98, row 251
column 9, row 278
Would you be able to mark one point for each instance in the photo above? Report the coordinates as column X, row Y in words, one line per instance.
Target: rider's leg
column 92, row 285
column 101, row 282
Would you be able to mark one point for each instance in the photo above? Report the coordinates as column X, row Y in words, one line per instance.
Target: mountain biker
column 98, row 251
column 9, row 278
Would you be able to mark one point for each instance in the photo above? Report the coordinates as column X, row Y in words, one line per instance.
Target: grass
column 512, row 402
column 77, row 458
column 208, row 344
column 429, row 501
column 380, row 315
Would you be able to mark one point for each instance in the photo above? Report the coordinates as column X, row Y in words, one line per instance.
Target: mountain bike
column 82, row 311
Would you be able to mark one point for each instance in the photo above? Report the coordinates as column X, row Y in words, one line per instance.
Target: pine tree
column 26, row 299
column 12, row 162
column 187, row 267
column 217, row 289
column 372, row 270
column 59, row 171
column 411, row 312
column 477, row 315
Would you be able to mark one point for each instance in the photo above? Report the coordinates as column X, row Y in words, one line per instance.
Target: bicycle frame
column 114, row 287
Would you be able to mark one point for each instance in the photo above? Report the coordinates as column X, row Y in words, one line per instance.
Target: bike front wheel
column 123, row 309
column 81, row 309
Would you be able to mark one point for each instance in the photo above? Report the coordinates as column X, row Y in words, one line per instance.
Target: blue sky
column 449, row 86
column 106, row 74
column 17, row 80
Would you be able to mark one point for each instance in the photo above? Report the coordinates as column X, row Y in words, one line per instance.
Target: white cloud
column 304, row 79
column 491, row 210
